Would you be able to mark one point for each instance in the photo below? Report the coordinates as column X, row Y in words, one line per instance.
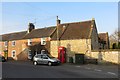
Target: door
column 40, row 59
column 6, row 54
column 79, row 58
column 62, row 54
column 29, row 54
column 45, row 59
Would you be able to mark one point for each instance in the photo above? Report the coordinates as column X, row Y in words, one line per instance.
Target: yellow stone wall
column 94, row 38
column 79, row 46
column 107, row 56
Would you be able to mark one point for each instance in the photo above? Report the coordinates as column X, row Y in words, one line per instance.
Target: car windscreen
column 50, row 56
column 38, row 56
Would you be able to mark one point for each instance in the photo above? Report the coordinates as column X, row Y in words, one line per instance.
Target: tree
column 115, row 38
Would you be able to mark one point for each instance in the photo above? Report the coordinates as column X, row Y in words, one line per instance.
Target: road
column 25, row 69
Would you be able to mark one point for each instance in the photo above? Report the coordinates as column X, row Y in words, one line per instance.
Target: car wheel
column 49, row 63
column 35, row 63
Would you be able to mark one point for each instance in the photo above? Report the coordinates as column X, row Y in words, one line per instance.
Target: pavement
column 26, row 69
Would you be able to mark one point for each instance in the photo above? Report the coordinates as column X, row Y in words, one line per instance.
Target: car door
column 40, row 59
column 45, row 59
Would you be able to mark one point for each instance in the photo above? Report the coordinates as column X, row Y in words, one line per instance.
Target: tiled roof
column 39, row 33
column 76, row 30
column 13, row 36
column 103, row 37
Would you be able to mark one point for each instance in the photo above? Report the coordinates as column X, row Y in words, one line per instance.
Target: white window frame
column 6, row 43
column 14, row 54
column 43, row 41
column 29, row 41
column 13, row 43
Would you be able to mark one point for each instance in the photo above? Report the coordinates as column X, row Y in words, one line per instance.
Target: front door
column 6, row 54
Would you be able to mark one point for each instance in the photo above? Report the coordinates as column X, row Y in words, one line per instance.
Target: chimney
column 58, row 21
column 93, row 19
column 31, row 26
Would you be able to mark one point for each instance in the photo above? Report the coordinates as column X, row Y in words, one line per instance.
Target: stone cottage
column 77, row 38
column 104, row 40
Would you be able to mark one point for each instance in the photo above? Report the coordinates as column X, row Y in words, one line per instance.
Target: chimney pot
column 31, row 26
column 58, row 21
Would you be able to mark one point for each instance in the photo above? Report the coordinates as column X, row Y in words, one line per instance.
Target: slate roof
column 13, row 36
column 76, row 30
column 39, row 33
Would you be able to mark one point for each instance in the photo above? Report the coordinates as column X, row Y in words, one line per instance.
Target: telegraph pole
column 57, row 31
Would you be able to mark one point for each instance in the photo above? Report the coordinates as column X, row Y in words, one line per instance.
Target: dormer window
column 13, row 43
column 6, row 43
column 43, row 41
column 29, row 41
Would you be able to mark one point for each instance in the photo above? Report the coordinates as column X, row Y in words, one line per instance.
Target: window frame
column 6, row 43
column 14, row 53
column 43, row 41
column 13, row 43
column 29, row 42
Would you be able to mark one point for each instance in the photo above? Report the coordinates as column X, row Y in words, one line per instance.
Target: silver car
column 45, row 59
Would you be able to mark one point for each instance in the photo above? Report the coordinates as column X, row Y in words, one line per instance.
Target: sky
column 17, row 15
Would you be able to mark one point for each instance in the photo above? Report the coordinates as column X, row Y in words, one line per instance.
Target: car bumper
column 55, row 63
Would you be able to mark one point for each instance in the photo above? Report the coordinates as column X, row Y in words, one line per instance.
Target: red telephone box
column 62, row 54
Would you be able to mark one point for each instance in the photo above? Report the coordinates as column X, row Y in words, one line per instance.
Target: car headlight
column 58, row 60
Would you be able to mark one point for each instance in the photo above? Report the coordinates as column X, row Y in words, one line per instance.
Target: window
column 13, row 43
column 45, row 57
column 43, row 41
column 6, row 43
column 29, row 41
column 13, row 53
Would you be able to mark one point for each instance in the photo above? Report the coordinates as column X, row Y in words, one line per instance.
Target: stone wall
column 106, row 56
column 94, row 38
column 79, row 46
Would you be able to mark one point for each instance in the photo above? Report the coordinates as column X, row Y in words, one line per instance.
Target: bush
column 118, row 45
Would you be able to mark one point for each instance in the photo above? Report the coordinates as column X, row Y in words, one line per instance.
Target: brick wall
column 36, row 45
column 2, row 47
column 19, row 48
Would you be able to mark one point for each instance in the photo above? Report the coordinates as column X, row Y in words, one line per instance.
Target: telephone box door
column 62, row 54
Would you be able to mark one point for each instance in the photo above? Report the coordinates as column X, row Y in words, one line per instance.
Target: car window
column 45, row 57
column 38, row 56
column 41, row 56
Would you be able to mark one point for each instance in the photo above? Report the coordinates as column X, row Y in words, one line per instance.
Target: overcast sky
column 17, row 15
